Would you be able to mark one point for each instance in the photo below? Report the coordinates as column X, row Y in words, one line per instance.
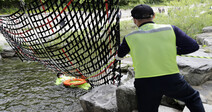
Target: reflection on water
column 29, row 87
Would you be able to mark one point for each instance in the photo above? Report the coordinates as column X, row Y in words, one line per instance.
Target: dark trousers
column 149, row 92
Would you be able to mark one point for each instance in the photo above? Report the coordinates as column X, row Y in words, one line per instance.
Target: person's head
column 142, row 13
column 59, row 74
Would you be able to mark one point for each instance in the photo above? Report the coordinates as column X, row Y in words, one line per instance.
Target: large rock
column 7, row 52
column 100, row 99
column 204, row 39
column 207, row 29
column 126, row 97
column 196, row 70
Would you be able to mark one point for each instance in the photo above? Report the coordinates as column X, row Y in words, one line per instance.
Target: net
column 75, row 37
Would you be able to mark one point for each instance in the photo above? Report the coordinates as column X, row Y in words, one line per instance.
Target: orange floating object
column 74, row 82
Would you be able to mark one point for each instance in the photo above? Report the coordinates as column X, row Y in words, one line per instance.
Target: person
column 153, row 48
column 61, row 78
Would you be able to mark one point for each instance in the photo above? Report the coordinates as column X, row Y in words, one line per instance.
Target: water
column 29, row 87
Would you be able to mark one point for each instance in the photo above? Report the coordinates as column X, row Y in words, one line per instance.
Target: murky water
column 29, row 87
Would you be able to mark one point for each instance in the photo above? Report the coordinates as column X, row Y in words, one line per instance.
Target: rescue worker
column 153, row 48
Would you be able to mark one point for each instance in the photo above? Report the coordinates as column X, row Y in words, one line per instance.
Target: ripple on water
column 29, row 87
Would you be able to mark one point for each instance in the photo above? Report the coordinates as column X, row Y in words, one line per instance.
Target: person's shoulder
column 176, row 29
column 133, row 32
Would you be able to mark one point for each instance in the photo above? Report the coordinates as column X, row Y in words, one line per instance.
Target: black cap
column 142, row 12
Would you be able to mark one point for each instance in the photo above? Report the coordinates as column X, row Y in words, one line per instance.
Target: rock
column 206, row 92
column 127, row 60
column 2, row 40
column 0, row 57
column 124, row 67
column 100, row 99
column 126, row 97
column 171, row 102
column 204, row 39
column 128, row 76
column 207, row 50
column 208, row 108
column 196, row 71
column 207, row 29
column 167, row 109
column 164, row 109
column 7, row 52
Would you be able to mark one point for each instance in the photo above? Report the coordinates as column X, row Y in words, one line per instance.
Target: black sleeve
column 184, row 43
column 123, row 49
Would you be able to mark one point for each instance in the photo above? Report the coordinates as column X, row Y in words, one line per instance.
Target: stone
column 127, row 60
column 100, row 99
column 205, row 92
column 204, row 39
column 171, row 102
column 196, row 71
column 208, row 108
column 2, row 40
column 7, row 52
column 127, row 76
column 124, row 67
column 164, row 109
column 167, row 109
column 207, row 29
column 126, row 97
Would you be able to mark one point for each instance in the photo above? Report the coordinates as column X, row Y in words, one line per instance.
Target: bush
column 127, row 2
column 191, row 19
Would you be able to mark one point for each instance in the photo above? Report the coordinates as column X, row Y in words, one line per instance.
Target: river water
column 29, row 87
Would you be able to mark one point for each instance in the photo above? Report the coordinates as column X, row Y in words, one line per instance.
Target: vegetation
column 189, row 15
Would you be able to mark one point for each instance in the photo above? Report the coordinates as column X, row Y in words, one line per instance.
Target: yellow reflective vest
column 153, row 50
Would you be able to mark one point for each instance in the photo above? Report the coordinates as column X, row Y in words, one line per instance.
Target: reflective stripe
column 150, row 31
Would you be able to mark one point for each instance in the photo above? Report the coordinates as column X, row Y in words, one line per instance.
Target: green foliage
column 128, row 2
column 126, row 27
column 180, row 3
column 191, row 19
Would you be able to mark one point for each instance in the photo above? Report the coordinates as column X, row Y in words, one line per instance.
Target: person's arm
column 123, row 49
column 184, row 43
